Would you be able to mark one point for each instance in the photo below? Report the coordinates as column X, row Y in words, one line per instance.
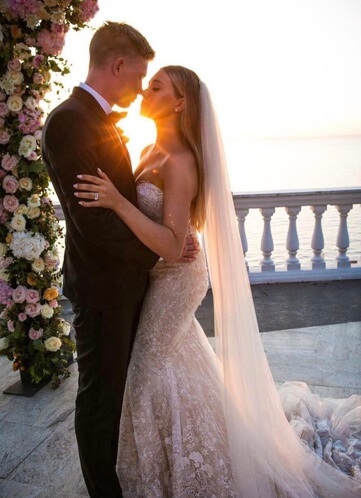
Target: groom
column 105, row 265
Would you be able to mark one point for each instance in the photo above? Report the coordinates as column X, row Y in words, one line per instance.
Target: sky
column 275, row 68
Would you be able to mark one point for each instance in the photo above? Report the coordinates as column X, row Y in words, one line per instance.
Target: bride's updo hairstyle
column 186, row 84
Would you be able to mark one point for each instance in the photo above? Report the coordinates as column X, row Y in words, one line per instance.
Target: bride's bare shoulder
column 180, row 162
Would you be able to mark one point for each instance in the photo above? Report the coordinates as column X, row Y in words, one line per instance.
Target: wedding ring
column 96, row 196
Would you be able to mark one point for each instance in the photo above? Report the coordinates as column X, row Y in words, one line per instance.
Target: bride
column 196, row 423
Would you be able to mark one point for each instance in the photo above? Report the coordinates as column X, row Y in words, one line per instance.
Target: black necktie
column 113, row 118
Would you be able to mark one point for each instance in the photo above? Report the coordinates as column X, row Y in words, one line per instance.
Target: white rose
column 31, row 103
column 27, row 145
column 15, row 77
column 18, row 223
column 46, row 311
column 22, row 51
column 33, row 201
column 65, row 327
column 25, row 183
column 22, row 209
column 38, row 265
column 4, row 343
column 34, row 213
column 15, row 103
column 52, row 344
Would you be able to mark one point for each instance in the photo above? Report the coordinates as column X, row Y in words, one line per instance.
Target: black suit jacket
column 104, row 263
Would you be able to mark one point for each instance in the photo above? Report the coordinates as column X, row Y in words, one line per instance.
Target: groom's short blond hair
column 114, row 39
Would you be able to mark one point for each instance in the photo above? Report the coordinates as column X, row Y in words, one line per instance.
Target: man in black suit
column 105, row 265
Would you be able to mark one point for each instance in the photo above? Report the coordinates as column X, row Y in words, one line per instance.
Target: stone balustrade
column 293, row 202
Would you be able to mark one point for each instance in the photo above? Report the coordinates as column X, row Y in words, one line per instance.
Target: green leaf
column 37, row 167
column 38, row 345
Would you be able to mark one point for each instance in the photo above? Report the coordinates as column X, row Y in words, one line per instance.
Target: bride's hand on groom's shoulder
column 190, row 250
column 97, row 191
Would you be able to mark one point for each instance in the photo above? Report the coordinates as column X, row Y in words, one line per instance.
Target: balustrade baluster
column 292, row 242
column 343, row 240
column 317, row 242
column 267, row 263
column 241, row 217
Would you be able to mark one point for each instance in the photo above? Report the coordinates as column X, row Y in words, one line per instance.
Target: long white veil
column 268, row 458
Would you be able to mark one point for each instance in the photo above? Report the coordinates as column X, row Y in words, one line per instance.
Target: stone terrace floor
column 310, row 331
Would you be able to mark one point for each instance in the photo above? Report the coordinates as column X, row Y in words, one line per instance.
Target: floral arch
column 33, row 334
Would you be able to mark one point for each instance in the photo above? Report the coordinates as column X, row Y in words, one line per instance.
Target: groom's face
column 130, row 74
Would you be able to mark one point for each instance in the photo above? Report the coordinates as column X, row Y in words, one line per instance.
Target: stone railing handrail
column 293, row 201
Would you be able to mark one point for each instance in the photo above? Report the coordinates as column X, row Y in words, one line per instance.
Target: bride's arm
column 166, row 239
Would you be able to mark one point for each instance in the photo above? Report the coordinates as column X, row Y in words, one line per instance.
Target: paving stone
column 46, row 408
column 12, row 489
column 16, row 443
column 54, row 464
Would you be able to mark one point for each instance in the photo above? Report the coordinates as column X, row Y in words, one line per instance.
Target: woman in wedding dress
column 195, row 423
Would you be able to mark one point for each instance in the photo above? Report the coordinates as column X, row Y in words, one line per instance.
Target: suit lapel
column 96, row 108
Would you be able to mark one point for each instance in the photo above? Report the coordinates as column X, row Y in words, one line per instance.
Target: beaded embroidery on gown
column 173, row 437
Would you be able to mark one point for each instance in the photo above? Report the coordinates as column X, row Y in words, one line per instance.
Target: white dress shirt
column 107, row 108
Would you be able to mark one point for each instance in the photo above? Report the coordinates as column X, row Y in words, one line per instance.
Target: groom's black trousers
column 104, row 339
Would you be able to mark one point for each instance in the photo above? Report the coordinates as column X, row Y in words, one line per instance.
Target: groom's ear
column 118, row 65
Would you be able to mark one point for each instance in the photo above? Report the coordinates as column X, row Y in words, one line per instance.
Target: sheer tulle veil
column 268, row 458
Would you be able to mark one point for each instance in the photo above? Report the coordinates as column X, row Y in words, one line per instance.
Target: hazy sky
column 274, row 67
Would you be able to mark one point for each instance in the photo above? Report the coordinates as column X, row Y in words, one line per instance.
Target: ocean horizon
column 281, row 164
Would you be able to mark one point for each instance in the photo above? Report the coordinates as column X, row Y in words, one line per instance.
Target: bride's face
column 159, row 99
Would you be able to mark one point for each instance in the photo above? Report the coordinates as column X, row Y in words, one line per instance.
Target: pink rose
column 4, row 137
column 10, row 203
column 53, row 303
column 22, row 317
column 32, row 156
column 19, row 294
column 11, row 327
column 9, row 162
column 5, row 262
column 33, row 309
column 3, row 96
column 38, row 60
column 38, row 79
column 4, row 110
column 32, row 296
column 10, row 184
column 35, row 334
column 14, row 65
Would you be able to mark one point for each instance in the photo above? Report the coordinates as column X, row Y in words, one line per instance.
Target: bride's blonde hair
column 187, row 85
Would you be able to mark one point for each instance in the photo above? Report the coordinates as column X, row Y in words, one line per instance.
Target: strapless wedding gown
column 173, row 438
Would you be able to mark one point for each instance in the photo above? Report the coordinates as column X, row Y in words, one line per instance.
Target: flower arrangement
column 32, row 333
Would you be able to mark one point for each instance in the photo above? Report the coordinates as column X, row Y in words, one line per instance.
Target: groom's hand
column 190, row 250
